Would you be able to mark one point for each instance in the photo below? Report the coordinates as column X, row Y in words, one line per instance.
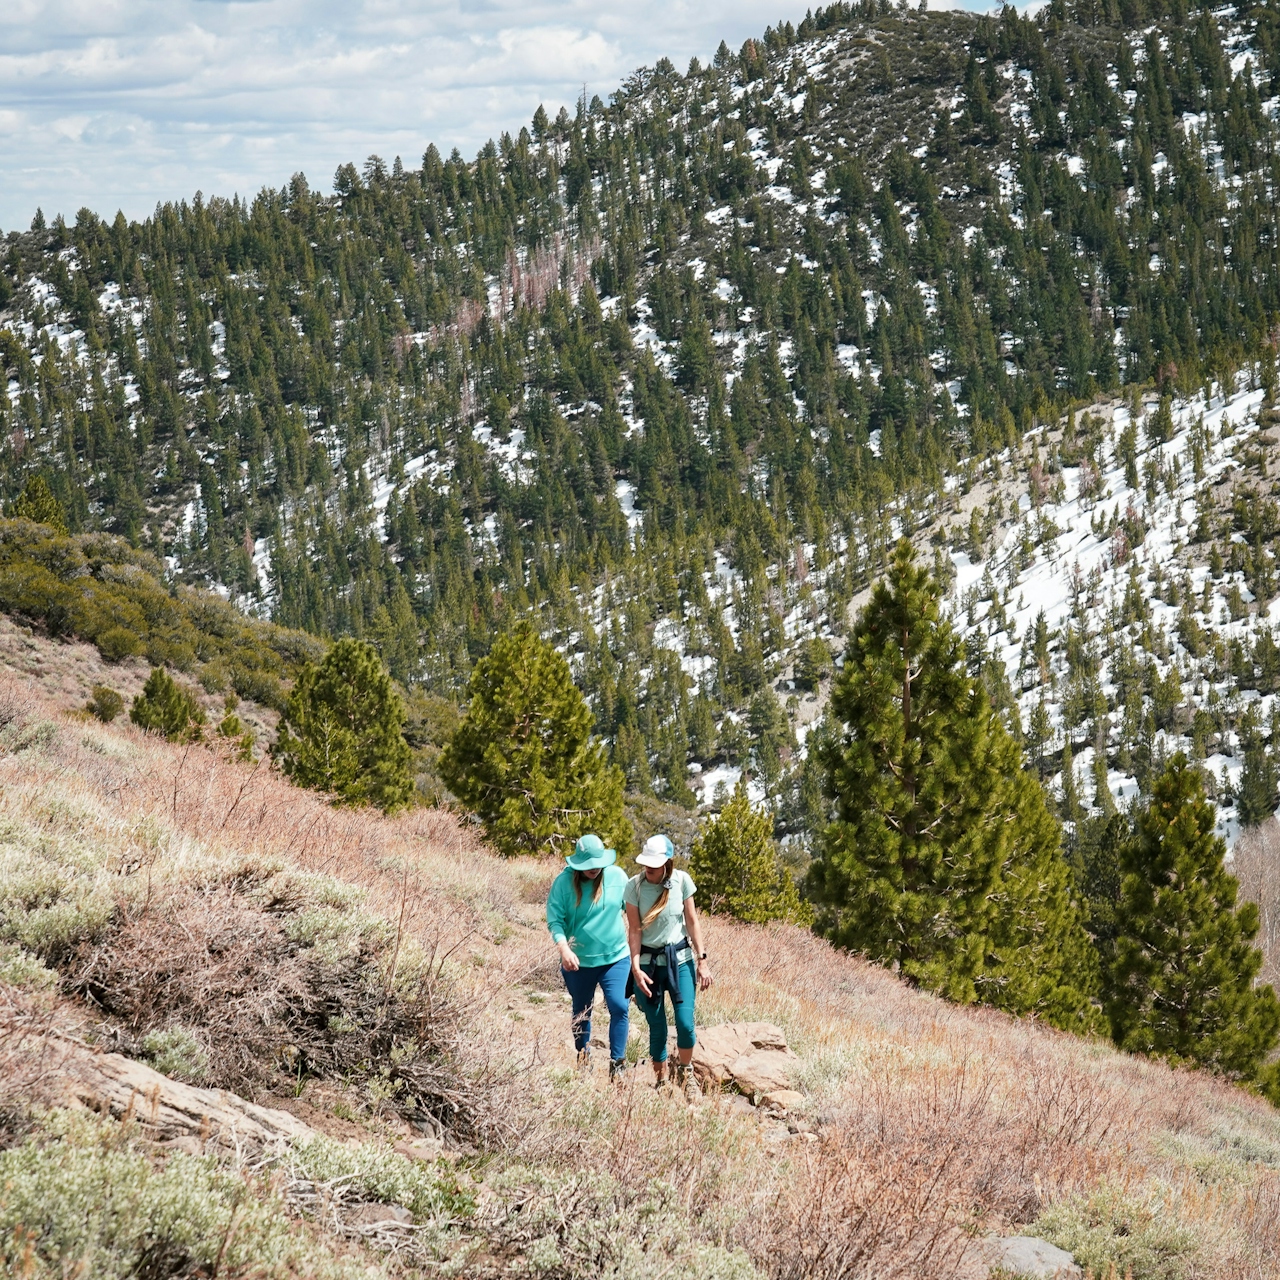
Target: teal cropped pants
column 655, row 1013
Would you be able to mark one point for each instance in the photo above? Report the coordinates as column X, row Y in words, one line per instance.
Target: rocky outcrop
column 751, row 1055
column 110, row 1083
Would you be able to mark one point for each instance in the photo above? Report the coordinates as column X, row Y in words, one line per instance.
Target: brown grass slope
column 177, row 894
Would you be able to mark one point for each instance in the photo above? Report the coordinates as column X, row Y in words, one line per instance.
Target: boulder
column 763, row 1071
column 718, row 1048
column 783, row 1100
column 1031, row 1257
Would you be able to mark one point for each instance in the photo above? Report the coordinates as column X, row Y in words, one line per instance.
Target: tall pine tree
column 523, row 758
column 342, row 730
column 1181, row 983
column 943, row 859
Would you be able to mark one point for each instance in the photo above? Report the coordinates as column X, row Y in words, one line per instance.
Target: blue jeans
column 655, row 1012
column 612, row 980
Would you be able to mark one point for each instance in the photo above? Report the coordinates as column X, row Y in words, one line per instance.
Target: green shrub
column 20, row 968
column 233, row 729
column 176, row 1052
column 576, row 1226
column 105, row 703
column 26, row 735
column 93, row 585
column 53, row 931
column 162, row 707
column 116, row 644
column 429, row 1192
column 1111, row 1229
column 31, row 591
column 214, row 677
column 165, row 651
column 82, row 1198
column 258, row 686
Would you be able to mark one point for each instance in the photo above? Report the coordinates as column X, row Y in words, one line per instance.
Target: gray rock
column 378, row 1215
column 1031, row 1257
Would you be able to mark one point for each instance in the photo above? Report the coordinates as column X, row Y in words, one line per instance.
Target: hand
column 704, row 975
column 642, row 979
column 568, row 960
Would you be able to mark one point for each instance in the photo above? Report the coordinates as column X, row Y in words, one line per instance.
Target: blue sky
column 123, row 103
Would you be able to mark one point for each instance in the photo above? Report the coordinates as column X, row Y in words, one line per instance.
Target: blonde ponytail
column 661, row 905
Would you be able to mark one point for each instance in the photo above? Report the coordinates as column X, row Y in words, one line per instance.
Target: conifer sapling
column 523, row 757
column 1181, row 984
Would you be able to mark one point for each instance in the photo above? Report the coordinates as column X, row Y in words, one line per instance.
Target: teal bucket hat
column 589, row 853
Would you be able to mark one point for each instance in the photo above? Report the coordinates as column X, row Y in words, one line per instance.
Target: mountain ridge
column 668, row 374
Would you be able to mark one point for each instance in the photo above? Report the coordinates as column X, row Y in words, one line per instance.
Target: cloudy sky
column 122, row 103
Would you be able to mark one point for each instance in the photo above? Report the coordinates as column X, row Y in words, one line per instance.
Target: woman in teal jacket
column 585, row 916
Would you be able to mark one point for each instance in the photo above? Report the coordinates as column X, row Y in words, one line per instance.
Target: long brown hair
column 661, row 905
column 578, row 878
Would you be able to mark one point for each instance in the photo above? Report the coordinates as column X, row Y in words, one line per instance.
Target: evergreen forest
column 667, row 376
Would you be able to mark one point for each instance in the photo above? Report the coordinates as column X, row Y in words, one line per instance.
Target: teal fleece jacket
column 596, row 930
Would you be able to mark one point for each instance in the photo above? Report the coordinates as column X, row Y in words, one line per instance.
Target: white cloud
column 123, row 103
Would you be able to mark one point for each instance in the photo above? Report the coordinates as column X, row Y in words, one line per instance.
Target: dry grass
column 181, row 892
column 1256, row 864
column 932, row 1124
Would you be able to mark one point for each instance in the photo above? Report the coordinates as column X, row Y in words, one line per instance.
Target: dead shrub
column 915, row 1162
column 279, row 995
column 30, row 1058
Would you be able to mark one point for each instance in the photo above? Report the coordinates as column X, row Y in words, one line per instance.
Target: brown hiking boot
column 687, row 1083
column 584, row 1062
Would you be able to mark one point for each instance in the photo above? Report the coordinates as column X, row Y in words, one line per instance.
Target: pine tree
column 1069, row 806
column 943, row 859
column 1103, row 800
column 342, row 730
column 735, row 864
column 1256, row 797
column 37, row 502
column 523, row 758
column 1181, row 984
column 162, row 707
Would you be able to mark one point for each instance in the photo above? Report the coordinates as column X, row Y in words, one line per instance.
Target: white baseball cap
column 657, row 852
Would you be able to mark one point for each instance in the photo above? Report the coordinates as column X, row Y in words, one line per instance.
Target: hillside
column 160, row 900
column 668, row 373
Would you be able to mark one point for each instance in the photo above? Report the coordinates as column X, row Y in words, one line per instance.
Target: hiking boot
column 687, row 1083
column 617, row 1070
column 584, row 1062
column 660, row 1077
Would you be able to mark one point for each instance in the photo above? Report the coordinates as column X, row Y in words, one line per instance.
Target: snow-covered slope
column 1124, row 583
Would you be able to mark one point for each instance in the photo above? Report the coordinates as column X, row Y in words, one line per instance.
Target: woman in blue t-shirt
column 665, row 937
